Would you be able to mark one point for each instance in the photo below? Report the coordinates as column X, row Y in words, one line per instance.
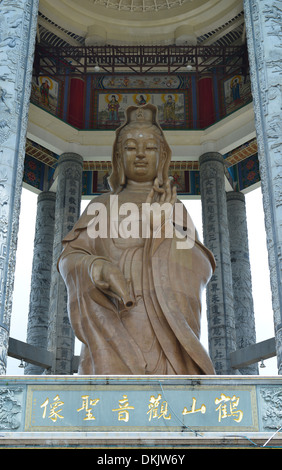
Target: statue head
column 141, row 123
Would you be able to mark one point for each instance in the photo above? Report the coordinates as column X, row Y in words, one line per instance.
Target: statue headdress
column 145, row 115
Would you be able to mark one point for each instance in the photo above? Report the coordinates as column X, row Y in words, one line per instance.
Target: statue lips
column 141, row 164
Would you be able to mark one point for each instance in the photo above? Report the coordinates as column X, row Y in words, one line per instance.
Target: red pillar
column 205, row 102
column 76, row 103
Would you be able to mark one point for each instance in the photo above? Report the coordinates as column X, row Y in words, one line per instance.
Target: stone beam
column 43, row 358
column 253, row 353
column 30, row 354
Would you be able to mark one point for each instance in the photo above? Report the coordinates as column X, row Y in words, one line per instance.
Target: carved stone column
column 241, row 275
column 18, row 22
column 263, row 28
column 221, row 320
column 68, row 197
column 38, row 317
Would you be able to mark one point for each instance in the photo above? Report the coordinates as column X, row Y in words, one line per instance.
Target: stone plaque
column 140, row 408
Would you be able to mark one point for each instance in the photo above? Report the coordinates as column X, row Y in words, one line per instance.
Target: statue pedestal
column 139, row 412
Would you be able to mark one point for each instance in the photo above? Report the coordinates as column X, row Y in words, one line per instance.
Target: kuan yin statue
column 134, row 267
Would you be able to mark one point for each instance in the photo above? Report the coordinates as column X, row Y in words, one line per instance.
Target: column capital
column 46, row 196
column 211, row 156
column 233, row 195
column 70, row 157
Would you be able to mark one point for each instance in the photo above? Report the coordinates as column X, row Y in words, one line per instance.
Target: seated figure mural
column 134, row 267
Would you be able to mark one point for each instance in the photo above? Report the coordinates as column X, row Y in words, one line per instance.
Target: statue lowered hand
column 108, row 278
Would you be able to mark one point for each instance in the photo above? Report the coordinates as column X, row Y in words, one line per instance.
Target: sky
column 258, row 260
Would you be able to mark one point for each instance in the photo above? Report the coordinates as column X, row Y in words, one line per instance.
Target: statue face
column 141, row 153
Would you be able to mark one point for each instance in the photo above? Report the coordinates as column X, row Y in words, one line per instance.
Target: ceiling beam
column 81, row 60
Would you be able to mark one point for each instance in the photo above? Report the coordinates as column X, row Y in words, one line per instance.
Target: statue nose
column 140, row 152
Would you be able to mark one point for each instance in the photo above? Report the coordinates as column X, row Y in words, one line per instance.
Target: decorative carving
column 4, row 199
column 60, row 335
column 10, row 408
column 263, row 29
column 272, row 407
column 241, row 275
column 18, row 22
column 41, row 275
column 221, row 321
column 273, row 19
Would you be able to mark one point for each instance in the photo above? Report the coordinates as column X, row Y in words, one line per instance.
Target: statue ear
column 117, row 177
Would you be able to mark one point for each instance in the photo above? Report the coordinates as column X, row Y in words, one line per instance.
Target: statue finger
column 163, row 197
column 150, row 197
column 168, row 191
column 103, row 285
column 174, row 195
column 119, row 287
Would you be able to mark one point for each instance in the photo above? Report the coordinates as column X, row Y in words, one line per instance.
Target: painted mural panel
column 248, row 172
column 111, row 107
column 45, row 93
column 135, row 81
column 33, row 172
column 237, row 92
column 107, row 96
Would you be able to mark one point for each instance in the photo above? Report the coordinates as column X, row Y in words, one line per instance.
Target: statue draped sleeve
column 172, row 283
column 179, row 279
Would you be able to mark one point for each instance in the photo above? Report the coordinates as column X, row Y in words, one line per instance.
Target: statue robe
column 166, row 284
